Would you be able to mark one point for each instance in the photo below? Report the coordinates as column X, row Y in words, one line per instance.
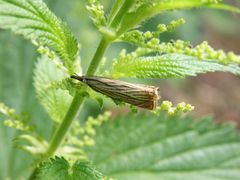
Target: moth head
column 80, row 78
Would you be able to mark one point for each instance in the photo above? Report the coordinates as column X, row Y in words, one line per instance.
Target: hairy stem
column 74, row 107
column 122, row 11
column 60, row 133
column 76, row 103
column 97, row 57
column 78, row 99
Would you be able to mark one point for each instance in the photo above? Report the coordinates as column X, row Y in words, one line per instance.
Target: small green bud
column 162, row 28
column 181, row 21
column 166, row 105
column 148, row 34
column 181, row 106
column 171, row 111
column 189, row 107
column 51, row 55
column 43, row 50
column 91, row 131
column 153, row 41
column 174, row 24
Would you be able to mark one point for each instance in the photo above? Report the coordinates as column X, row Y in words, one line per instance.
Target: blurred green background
column 213, row 93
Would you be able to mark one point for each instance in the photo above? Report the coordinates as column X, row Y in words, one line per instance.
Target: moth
column 136, row 94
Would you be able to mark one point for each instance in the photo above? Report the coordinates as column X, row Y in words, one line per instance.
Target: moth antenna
column 80, row 78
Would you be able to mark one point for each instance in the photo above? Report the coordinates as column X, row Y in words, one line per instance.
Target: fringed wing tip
column 156, row 98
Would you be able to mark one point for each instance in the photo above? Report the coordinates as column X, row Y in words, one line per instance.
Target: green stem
column 76, row 103
column 122, row 11
column 63, row 128
column 74, row 107
column 78, row 99
column 97, row 57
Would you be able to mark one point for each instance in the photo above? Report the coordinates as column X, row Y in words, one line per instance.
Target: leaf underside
column 150, row 147
column 59, row 169
column 33, row 20
column 148, row 9
column 169, row 66
column 55, row 101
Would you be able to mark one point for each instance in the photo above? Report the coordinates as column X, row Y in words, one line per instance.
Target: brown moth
column 136, row 94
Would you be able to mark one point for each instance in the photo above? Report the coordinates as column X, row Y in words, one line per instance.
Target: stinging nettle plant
column 158, row 145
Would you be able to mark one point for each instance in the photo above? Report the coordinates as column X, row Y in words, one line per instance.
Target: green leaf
column 60, row 169
column 168, row 66
column 55, row 101
column 16, row 90
column 115, row 8
column 119, row 10
column 152, row 8
column 33, row 20
column 152, row 147
column 17, row 60
column 84, row 170
column 56, row 168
